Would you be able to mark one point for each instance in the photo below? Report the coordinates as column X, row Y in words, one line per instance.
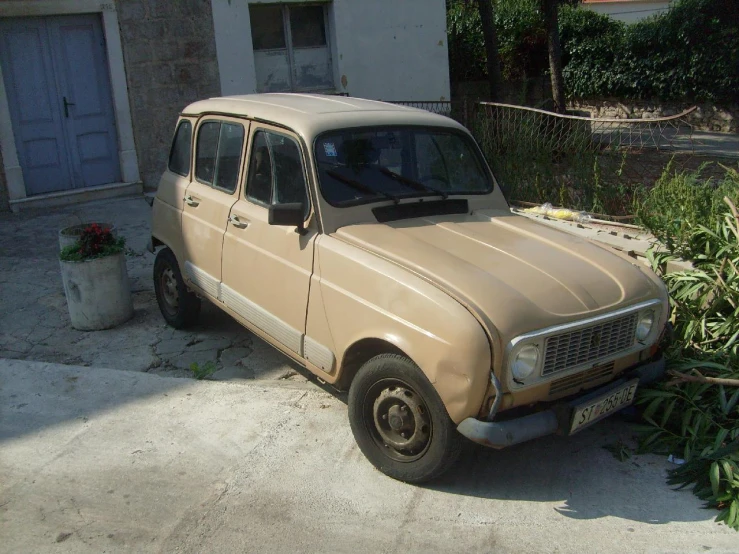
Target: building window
column 291, row 48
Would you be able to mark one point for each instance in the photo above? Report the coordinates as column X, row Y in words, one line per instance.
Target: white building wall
column 629, row 11
column 381, row 49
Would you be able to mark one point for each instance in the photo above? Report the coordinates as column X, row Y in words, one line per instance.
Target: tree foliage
column 690, row 52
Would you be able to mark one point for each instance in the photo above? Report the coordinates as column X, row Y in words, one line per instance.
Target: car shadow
column 577, row 475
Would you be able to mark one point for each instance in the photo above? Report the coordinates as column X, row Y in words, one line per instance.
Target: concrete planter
column 98, row 293
column 70, row 235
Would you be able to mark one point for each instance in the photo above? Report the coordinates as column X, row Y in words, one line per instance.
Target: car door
column 267, row 268
column 219, row 146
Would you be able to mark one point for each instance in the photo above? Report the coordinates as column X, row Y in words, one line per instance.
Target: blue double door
column 57, row 82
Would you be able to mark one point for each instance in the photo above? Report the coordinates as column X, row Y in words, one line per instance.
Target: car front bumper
column 557, row 419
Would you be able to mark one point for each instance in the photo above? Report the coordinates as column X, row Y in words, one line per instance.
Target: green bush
column 679, row 202
column 696, row 414
column 690, row 52
column 592, row 47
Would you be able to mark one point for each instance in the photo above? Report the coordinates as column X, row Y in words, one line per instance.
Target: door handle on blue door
column 66, row 106
column 236, row 222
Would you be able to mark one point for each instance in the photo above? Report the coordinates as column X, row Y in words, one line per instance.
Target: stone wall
column 706, row 117
column 170, row 55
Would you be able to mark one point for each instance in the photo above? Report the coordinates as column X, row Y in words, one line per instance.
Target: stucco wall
column 393, row 50
column 383, row 49
column 170, row 55
column 628, row 11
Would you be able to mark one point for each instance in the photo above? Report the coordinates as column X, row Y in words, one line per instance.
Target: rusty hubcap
column 169, row 289
column 401, row 421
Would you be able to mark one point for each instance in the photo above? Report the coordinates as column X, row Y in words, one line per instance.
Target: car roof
column 311, row 114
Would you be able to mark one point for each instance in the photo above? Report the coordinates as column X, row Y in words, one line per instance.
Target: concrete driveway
column 97, row 460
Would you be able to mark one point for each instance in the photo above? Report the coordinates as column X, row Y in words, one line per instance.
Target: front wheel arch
column 359, row 353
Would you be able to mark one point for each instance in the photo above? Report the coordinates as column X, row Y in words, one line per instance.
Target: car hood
column 517, row 274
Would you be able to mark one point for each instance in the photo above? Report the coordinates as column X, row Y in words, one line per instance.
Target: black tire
column 179, row 306
column 390, row 403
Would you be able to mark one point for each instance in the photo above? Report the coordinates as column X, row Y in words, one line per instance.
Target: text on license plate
column 603, row 406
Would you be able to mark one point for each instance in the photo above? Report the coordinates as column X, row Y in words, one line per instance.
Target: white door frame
column 126, row 146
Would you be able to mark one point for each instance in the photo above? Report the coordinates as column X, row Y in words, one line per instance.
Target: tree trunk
column 549, row 8
column 485, row 7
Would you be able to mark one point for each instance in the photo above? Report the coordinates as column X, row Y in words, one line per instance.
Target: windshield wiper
column 361, row 187
column 413, row 184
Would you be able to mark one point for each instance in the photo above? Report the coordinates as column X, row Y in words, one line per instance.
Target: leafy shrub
column 679, row 202
column 592, row 47
column 94, row 242
column 716, row 480
column 696, row 414
column 689, row 52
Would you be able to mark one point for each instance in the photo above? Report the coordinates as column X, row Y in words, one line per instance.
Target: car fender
column 366, row 297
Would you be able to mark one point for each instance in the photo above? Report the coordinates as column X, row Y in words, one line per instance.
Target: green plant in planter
column 94, row 242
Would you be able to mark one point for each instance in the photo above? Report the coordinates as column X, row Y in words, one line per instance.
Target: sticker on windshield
column 330, row 149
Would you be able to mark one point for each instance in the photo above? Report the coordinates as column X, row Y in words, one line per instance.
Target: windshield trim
column 469, row 140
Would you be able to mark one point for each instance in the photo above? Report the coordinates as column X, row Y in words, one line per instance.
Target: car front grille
column 592, row 343
column 575, row 383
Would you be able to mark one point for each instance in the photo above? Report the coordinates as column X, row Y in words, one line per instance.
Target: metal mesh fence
column 578, row 162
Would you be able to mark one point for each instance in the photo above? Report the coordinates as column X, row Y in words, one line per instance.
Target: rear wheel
column 179, row 306
column 399, row 421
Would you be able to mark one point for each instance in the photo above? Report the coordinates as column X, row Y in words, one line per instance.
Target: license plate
column 603, row 406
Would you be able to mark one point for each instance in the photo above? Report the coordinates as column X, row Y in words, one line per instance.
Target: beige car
column 371, row 244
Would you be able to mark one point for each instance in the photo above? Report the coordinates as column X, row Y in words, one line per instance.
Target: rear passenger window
column 179, row 155
column 205, row 163
column 219, row 154
column 229, row 156
column 276, row 171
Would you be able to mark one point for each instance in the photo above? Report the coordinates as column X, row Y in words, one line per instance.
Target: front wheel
column 399, row 421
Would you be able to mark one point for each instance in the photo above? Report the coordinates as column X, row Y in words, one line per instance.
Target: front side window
column 275, row 173
column 218, row 156
column 369, row 164
column 179, row 155
column 291, row 49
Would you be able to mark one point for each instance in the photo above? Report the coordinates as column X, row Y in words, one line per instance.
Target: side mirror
column 289, row 215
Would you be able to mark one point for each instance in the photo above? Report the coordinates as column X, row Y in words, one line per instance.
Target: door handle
column 236, row 222
column 66, row 106
column 190, row 201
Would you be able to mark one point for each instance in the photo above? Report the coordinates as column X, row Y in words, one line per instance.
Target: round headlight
column 644, row 326
column 524, row 361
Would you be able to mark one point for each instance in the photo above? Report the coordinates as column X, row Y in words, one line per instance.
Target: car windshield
column 380, row 163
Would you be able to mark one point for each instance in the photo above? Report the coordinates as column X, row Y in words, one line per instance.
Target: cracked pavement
column 34, row 323
column 96, row 460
